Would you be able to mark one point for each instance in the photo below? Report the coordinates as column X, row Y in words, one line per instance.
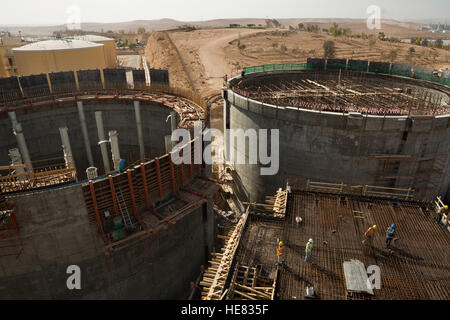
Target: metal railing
column 391, row 70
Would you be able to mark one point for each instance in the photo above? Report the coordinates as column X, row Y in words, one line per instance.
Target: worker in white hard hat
column 308, row 250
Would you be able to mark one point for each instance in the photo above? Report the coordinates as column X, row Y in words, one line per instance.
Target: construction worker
column 390, row 233
column 369, row 234
column 440, row 212
column 308, row 250
column 280, row 251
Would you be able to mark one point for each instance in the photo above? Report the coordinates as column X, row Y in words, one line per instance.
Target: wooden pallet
column 247, row 284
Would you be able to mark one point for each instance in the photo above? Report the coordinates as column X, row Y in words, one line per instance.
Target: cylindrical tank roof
column 57, row 45
column 93, row 38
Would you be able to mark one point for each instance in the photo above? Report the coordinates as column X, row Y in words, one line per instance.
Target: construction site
column 87, row 178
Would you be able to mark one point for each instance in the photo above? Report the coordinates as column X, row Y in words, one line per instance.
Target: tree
column 141, row 30
column 329, row 50
column 335, row 30
column 418, row 40
column 425, row 42
column 301, row 26
column 392, row 55
column 439, row 43
column 381, row 36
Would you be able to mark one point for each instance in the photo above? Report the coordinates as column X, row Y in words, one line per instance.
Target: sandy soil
column 203, row 53
column 267, row 48
column 209, row 54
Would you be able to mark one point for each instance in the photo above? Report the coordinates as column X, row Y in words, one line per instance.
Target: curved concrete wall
column 56, row 233
column 41, row 131
column 332, row 147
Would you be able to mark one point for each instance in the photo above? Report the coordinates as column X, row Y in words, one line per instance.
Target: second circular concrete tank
column 410, row 151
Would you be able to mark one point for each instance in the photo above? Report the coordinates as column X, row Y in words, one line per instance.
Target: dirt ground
column 299, row 45
column 204, row 54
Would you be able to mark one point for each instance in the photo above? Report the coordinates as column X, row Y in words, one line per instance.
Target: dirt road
column 213, row 57
column 204, row 56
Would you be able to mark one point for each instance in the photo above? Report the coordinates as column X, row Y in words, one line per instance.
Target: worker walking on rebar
column 390, row 233
column 308, row 250
column 280, row 253
column 440, row 212
column 369, row 234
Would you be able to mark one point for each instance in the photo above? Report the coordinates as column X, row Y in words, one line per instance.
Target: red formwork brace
column 133, row 199
column 172, row 173
column 113, row 194
column 94, row 201
column 158, row 177
column 144, row 181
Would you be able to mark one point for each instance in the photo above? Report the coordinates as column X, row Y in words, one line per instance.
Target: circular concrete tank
column 58, row 227
column 351, row 127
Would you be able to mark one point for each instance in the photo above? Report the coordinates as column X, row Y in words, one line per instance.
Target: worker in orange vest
column 280, row 251
column 369, row 234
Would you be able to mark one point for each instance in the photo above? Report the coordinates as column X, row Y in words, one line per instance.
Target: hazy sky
column 49, row 12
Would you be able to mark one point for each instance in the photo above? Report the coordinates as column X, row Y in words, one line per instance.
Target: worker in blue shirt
column 390, row 233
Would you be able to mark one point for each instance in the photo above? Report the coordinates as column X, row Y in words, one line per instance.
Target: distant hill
column 390, row 27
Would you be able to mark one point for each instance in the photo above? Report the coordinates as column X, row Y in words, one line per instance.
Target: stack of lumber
column 215, row 276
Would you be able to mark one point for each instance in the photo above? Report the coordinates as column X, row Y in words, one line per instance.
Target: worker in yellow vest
column 280, row 251
column 308, row 250
column 369, row 234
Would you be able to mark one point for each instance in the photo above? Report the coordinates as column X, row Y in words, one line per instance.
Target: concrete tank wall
column 332, row 147
column 41, row 130
column 56, row 233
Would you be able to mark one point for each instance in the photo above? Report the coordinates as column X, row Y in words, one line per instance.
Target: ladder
column 123, row 209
